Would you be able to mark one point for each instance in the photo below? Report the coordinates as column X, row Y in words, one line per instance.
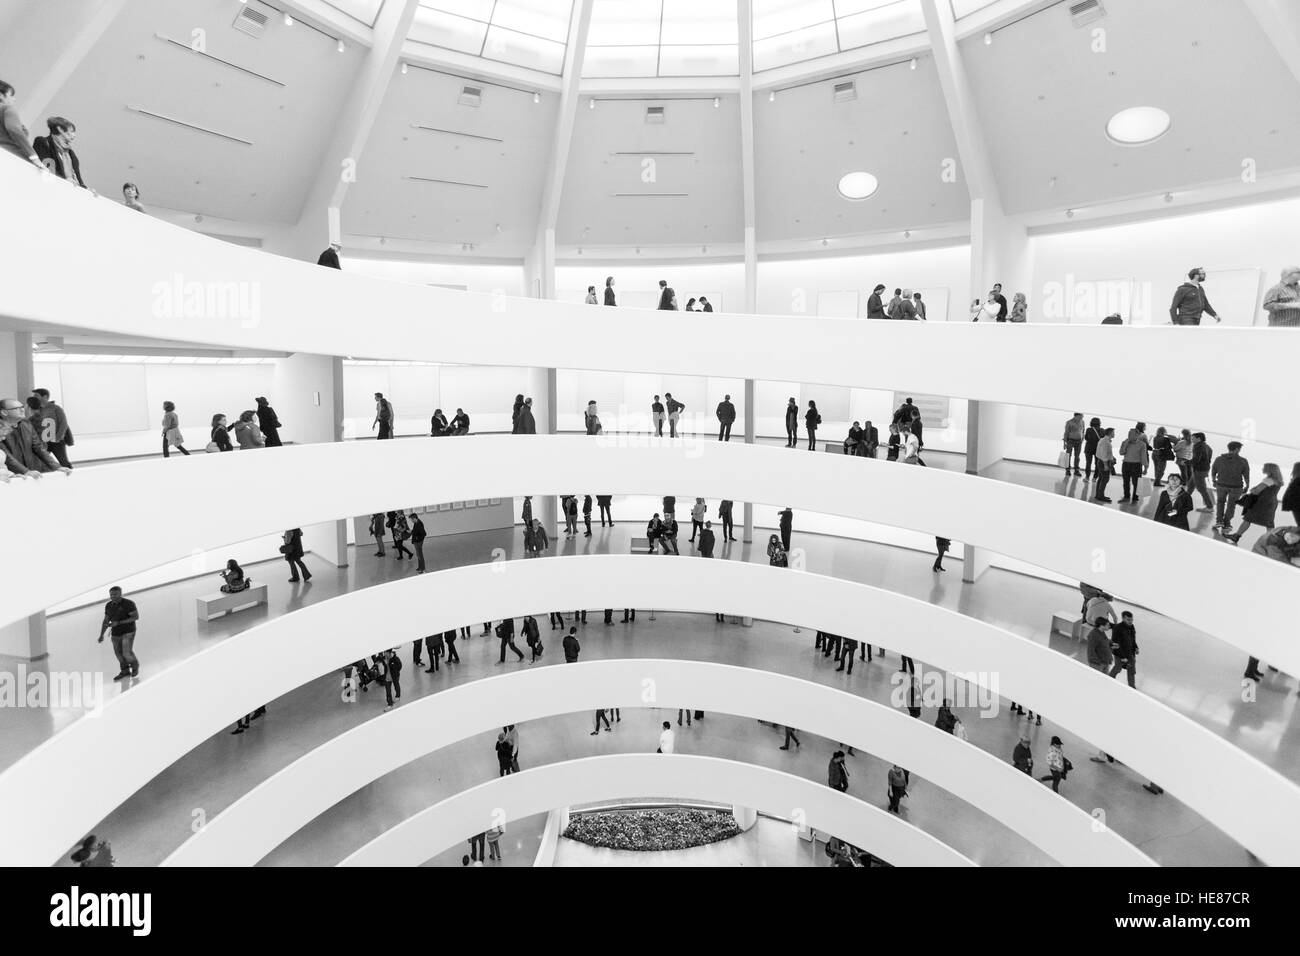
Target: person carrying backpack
column 1058, row 764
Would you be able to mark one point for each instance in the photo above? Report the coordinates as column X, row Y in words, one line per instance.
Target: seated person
column 233, row 575
column 460, row 424
column 669, row 536
column 654, row 530
column 870, row 439
column 438, row 424
column 853, row 444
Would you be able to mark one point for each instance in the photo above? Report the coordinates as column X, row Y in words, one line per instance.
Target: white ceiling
column 1044, row 97
column 384, row 202
column 1207, row 62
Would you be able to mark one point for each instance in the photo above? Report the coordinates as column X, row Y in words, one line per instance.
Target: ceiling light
column 988, row 39
column 591, row 103
column 858, row 185
column 1169, row 197
column 498, row 227
column 537, row 97
column 342, row 48
column 717, row 101
column 404, row 69
column 288, row 20
column 1069, row 214
column 826, row 242
column 912, row 63
column 771, row 97
column 1138, row 125
column 907, row 234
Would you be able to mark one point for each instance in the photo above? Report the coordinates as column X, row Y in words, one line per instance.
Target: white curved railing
column 1175, row 573
column 133, row 275
column 42, row 789
column 270, row 813
column 429, row 832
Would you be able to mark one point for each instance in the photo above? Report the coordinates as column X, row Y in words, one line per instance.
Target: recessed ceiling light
column 1138, row 125
column 912, row 63
column 404, row 69
column 717, row 101
column 342, row 48
column 591, row 104
column 988, row 39
column 288, row 20
column 537, row 97
column 858, row 185
column 771, row 97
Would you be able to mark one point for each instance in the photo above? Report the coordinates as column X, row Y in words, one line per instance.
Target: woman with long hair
column 171, row 431
column 220, row 435
column 777, row 556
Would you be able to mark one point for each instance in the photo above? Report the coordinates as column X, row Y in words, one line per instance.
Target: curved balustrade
column 137, row 276
column 519, row 795
column 274, row 810
column 1173, row 572
column 43, row 788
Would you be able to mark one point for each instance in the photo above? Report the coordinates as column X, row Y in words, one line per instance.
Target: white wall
column 791, row 286
column 723, row 283
column 1152, row 258
column 469, row 275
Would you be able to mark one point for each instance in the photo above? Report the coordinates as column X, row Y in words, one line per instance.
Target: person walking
column 1022, row 757
column 383, row 417
column 120, row 616
column 532, row 637
column 812, row 419
column 505, row 757
column 570, row 516
column 897, row 787
column 436, row 645
column 171, row 431
column 535, row 540
column 724, row 515
column 1162, row 455
column 667, row 739
column 247, row 433
column 591, row 418
column 786, row 525
column 1189, row 302
column 1135, row 453
column 292, row 550
column 506, row 632
column 401, row 531
column 449, row 637
column 1259, row 505
column 1231, row 476
column 389, row 669
column 726, row 417
column 1105, row 464
column 609, row 291
column 603, row 502
column 377, row 532
column 837, row 774
column 792, row 424
column 418, row 534
column 1125, row 648
column 657, row 416
column 269, row 422
column 1183, row 457
column 601, row 715
column 1202, row 458
column 1072, row 442
column 1057, row 764
column 941, row 545
column 946, row 720
column 586, row 515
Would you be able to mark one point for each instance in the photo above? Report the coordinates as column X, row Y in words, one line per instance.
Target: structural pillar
column 747, row 534
column 17, row 371
column 550, row 512
column 25, row 640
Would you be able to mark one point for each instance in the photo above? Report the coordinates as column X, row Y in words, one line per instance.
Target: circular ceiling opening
column 1138, row 126
column 857, row 185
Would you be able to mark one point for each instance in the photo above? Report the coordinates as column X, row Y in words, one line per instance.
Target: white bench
column 1068, row 624
column 640, row 546
column 221, row 603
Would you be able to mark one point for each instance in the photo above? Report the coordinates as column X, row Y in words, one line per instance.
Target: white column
column 25, row 640
column 17, row 372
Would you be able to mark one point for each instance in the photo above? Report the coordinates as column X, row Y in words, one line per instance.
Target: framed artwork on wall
column 484, row 502
column 494, row 501
column 457, row 505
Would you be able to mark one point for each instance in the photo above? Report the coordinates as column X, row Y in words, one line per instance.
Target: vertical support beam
column 549, row 510
column 745, row 23
column 352, row 128
column 17, row 370
column 25, row 640
column 88, row 30
column 553, row 184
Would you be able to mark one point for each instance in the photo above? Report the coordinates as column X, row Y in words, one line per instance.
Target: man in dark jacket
column 269, row 422
column 56, row 153
column 52, row 423
column 418, row 534
column 1190, row 302
column 1022, row 758
column 506, row 631
column 1100, row 657
column 787, row 526
column 1001, row 300
column 571, row 646
column 726, row 416
column 705, row 304
column 383, row 416
column 946, row 720
column 707, row 540
column 1231, row 476
column 669, row 538
column 1202, row 456
column 724, row 515
column 837, row 775
column 293, row 551
column 1124, row 644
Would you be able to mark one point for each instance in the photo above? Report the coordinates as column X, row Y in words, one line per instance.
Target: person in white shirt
column 911, row 448
column 591, row 295
column 666, row 739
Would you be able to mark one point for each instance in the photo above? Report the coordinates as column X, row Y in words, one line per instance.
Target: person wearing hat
column 1189, row 302
column 1057, row 764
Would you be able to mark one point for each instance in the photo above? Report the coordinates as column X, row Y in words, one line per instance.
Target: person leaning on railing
column 1282, row 302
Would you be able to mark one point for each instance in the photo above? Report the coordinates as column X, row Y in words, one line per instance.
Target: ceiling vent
column 1081, row 14
column 655, row 115
column 470, row 96
column 252, row 22
column 844, row 92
